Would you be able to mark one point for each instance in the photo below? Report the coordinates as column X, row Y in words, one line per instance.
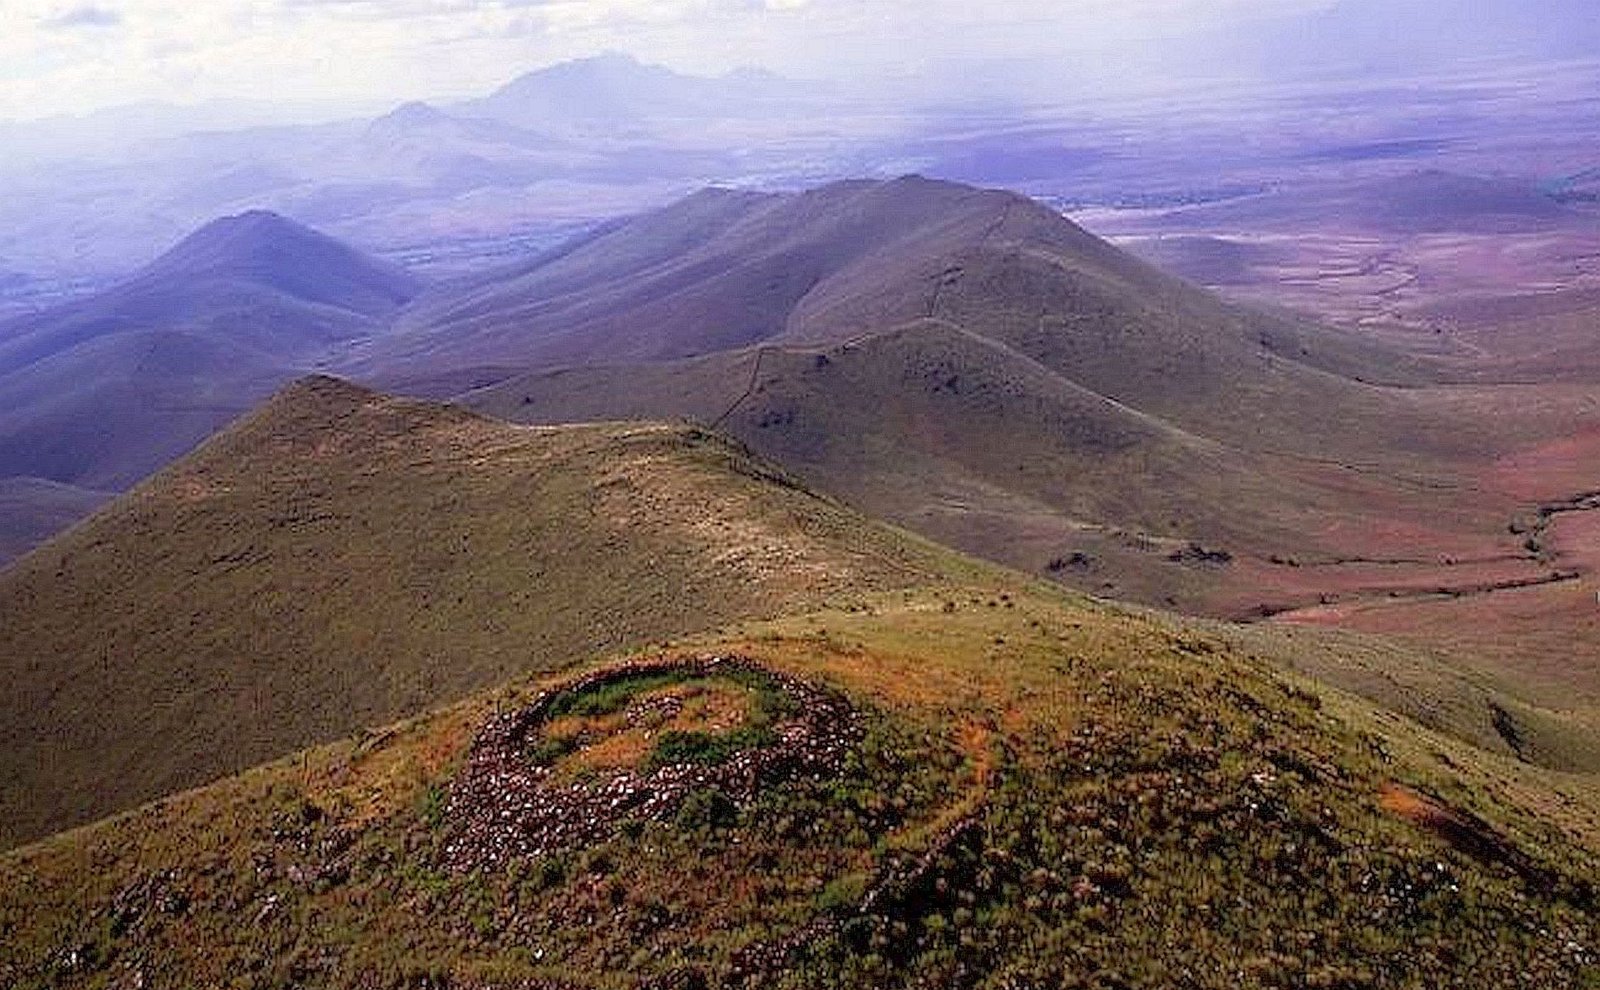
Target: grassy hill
column 976, row 443
column 339, row 559
column 676, row 721
column 1018, row 788
column 970, row 365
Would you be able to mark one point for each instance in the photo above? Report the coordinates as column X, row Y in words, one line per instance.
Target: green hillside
column 984, row 786
column 339, row 559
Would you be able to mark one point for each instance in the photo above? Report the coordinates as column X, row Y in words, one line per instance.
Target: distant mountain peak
column 608, row 58
column 257, row 221
column 605, row 69
column 617, row 86
column 230, row 240
column 273, row 250
column 413, row 114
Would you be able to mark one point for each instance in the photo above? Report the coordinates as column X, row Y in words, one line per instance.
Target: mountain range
column 530, row 156
column 614, row 89
column 889, row 764
column 727, row 625
column 1009, row 383
column 964, row 363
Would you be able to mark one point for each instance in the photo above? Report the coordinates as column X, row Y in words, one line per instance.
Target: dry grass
column 1093, row 746
column 341, row 559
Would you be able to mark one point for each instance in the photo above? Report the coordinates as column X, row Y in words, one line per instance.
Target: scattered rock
column 1195, row 555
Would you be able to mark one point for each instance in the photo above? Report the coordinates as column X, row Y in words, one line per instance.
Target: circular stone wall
column 648, row 740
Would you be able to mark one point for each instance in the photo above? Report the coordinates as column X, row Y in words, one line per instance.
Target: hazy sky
column 67, row 56
column 71, row 56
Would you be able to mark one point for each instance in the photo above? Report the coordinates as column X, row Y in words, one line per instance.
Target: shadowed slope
column 33, row 509
column 340, row 558
column 107, row 412
column 722, row 270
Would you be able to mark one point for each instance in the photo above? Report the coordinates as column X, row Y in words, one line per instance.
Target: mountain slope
column 724, row 269
column 339, row 559
column 978, row 446
column 107, row 412
column 970, row 364
column 103, row 391
column 835, row 757
column 1012, row 788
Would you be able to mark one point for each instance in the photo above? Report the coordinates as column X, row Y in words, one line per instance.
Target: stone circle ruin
column 637, row 742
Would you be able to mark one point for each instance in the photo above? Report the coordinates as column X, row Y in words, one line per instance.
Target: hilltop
column 724, row 269
column 270, row 250
column 339, row 558
column 1011, row 384
column 100, row 392
column 969, row 365
column 1010, row 787
column 679, row 721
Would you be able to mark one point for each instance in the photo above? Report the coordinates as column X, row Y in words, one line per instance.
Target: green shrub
column 707, row 808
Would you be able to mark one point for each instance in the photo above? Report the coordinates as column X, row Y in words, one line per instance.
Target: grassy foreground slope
column 340, row 559
column 1040, row 791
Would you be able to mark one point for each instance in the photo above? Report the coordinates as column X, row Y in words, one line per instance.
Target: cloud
column 86, row 17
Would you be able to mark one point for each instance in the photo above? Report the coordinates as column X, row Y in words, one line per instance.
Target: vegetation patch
column 1041, row 795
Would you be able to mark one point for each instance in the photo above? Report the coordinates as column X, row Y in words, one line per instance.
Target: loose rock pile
column 900, row 891
column 503, row 805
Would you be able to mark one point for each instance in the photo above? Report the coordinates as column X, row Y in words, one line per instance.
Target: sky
column 65, row 57
column 62, row 57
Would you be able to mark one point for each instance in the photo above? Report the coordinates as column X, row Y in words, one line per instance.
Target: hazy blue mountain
column 102, row 391
column 619, row 88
